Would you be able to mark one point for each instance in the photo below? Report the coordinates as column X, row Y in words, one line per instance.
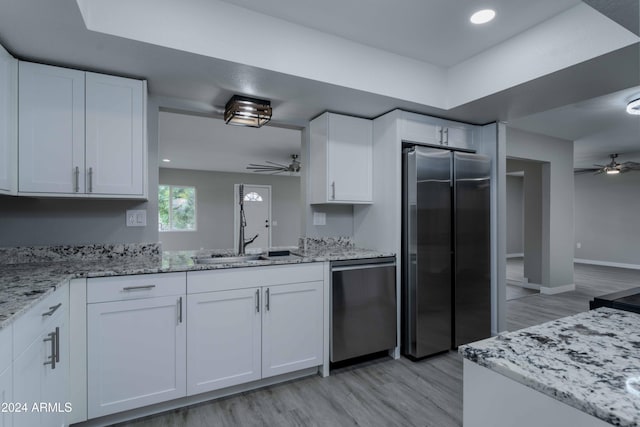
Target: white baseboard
column 515, row 256
column 606, row 263
column 550, row 290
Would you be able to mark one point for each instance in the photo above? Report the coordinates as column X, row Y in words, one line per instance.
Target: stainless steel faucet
column 242, row 243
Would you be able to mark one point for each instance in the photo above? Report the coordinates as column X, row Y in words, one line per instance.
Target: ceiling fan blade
column 277, row 164
column 261, row 168
column 264, row 166
column 585, row 170
column 630, row 164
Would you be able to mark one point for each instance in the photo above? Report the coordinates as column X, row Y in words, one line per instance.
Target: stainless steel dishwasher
column 363, row 307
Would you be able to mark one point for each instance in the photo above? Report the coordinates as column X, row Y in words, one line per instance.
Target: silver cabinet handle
column 267, row 300
column 333, row 190
column 90, row 180
column 52, row 310
column 57, row 345
column 76, row 179
column 441, row 138
column 446, row 134
column 257, row 300
column 138, row 288
column 180, row 310
column 53, row 338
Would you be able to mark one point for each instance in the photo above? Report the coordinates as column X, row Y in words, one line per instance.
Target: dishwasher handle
column 362, row 267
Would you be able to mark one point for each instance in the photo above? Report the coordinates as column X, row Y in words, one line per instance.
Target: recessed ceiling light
column 166, row 160
column 483, row 16
column 634, row 107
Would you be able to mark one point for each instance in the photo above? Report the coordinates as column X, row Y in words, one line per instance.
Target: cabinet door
column 6, row 395
column 421, row 129
column 292, row 333
column 458, row 135
column 135, row 353
column 38, row 381
column 350, row 159
column 28, row 370
column 51, row 129
column 114, row 135
column 55, row 382
column 224, row 346
column 8, row 123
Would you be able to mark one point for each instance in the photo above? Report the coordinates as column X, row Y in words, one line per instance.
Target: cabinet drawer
column 236, row 278
column 103, row 289
column 32, row 323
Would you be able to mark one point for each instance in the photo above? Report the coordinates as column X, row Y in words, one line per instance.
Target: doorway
column 257, row 211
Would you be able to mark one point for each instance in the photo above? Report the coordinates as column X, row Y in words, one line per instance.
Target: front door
column 257, row 211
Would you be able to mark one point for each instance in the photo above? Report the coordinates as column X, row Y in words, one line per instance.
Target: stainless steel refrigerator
column 446, row 276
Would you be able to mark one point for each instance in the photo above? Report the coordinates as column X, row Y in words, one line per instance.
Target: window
column 252, row 197
column 176, row 208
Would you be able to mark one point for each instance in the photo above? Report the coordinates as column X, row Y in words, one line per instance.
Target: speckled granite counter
column 590, row 361
column 25, row 278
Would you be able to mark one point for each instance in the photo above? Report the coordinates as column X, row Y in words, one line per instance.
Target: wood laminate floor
column 387, row 392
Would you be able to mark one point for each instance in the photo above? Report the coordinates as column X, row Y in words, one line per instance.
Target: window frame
column 195, row 209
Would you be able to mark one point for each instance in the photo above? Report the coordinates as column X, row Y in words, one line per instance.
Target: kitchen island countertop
column 589, row 361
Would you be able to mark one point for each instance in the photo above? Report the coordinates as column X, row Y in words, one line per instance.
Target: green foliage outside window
column 176, row 208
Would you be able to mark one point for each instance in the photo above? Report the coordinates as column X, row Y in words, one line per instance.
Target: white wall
column 215, row 208
column 515, row 215
column 535, row 234
column 557, row 199
column 607, row 224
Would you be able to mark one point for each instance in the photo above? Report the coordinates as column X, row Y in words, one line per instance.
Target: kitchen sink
column 225, row 259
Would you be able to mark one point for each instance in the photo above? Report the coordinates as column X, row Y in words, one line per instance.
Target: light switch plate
column 319, row 218
column 137, row 218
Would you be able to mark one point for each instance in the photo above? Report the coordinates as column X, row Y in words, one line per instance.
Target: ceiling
column 583, row 101
column 414, row 28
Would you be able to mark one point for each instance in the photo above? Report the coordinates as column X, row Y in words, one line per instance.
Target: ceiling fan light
column 634, row 107
column 245, row 111
column 612, row 171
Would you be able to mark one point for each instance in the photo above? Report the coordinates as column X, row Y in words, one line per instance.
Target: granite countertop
column 28, row 277
column 590, row 361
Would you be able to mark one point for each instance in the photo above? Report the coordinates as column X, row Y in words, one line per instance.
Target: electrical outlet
column 578, row 245
column 137, row 218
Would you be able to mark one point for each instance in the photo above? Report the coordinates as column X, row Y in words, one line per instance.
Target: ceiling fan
column 276, row 168
column 611, row 168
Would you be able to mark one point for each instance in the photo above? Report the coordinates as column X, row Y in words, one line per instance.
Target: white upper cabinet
column 115, row 149
column 81, row 134
column 51, row 129
column 8, row 123
column 434, row 131
column 341, row 159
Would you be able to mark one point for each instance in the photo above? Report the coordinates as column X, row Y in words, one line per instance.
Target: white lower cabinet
column 245, row 325
column 292, row 328
column 158, row 337
column 136, row 353
column 41, row 371
column 6, row 396
column 224, row 330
